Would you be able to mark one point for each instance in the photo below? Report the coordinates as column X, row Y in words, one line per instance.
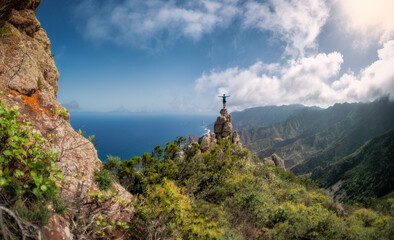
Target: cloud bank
column 296, row 22
column 150, row 23
column 308, row 80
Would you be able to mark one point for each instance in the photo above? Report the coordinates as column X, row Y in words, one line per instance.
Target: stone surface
column 57, row 229
column 275, row 160
column 28, row 78
column 192, row 139
column 223, row 128
column 207, row 141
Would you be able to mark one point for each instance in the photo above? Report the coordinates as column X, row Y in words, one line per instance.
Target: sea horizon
column 126, row 135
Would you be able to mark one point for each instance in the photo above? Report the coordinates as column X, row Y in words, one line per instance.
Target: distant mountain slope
column 263, row 116
column 314, row 137
column 366, row 173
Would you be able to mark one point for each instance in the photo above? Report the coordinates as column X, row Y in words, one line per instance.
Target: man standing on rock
column 224, row 100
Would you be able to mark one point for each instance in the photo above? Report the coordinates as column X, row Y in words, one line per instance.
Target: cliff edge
column 28, row 79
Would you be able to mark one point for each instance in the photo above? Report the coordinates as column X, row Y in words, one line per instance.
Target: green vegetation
column 312, row 138
column 107, row 174
column 5, row 31
column 103, row 179
column 226, row 193
column 28, row 173
column 364, row 175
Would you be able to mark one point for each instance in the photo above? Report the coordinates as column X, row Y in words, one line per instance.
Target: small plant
column 28, row 176
column 104, row 178
column 39, row 83
column 105, row 227
column 5, row 31
column 112, row 164
column 59, row 111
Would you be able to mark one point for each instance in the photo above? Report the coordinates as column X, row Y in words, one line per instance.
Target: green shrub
column 27, row 167
column 112, row 164
column 226, row 193
column 169, row 214
column 104, row 178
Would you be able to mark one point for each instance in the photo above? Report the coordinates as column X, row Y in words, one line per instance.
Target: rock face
column 223, row 128
column 28, row 79
column 275, row 160
column 192, row 139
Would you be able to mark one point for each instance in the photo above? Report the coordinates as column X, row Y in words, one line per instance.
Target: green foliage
column 38, row 213
column 107, row 174
column 39, row 83
column 27, row 168
column 311, row 137
column 365, row 174
column 112, row 164
column 226, row 193
column 104, row 178
column 168, row 214
column 104, row 227
column 5, row 31
column 60, row 111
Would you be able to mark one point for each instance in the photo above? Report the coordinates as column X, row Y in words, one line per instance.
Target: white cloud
column 373, row 81
column 299, row 81
column 297, row 22
column 308, row 81
column 150, row 22
column 368, row 21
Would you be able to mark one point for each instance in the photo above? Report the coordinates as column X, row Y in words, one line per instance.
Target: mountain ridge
column 310, row 134
column 366, row 173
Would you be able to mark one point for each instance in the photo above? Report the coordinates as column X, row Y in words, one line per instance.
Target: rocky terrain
column 28, row 79
column 223, row 129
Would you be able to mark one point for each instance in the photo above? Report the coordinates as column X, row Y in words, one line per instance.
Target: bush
column 226, row 193
column 169, row 214
column 112, row 164
column 104, row 178
column 27, row 168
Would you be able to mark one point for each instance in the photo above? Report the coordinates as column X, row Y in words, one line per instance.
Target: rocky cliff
column 28, row 79
column 223, row 128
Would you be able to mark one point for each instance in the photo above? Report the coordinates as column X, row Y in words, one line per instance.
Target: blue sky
column 178, row 56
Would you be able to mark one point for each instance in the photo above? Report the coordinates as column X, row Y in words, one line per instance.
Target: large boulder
column 207, row 141
column 275, row 160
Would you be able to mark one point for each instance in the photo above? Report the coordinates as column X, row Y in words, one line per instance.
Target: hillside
column 316, row 137
column 366, row 173
column 224, row 192
column 263, row 116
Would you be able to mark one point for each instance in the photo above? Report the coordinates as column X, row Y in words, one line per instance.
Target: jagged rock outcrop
column 28, row 79
column 275, row 160
column 192, row 139
column 223, row 128
column 207, row 140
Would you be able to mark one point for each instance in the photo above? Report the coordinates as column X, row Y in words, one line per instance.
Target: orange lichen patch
column 33, row 102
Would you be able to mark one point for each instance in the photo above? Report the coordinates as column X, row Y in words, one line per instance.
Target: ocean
column 126, row 135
